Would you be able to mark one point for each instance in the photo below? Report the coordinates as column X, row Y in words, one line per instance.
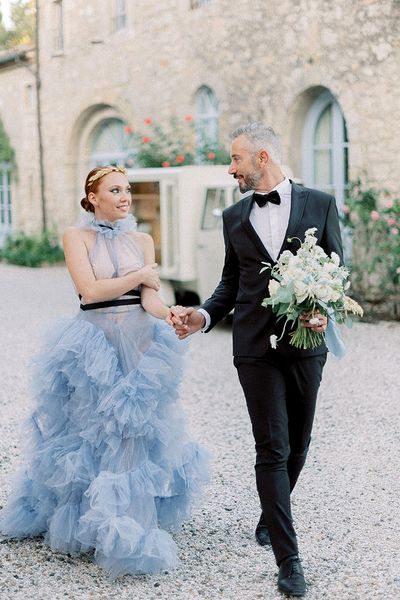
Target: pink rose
column 128, row 129
column 148, row 121
column 146, row 140
column 180, row 159
column 211, row 155
column 394, row 231
column 389, row 204
column 188, row 118
column 346, row 209
column 375, row 215
column 391, row 221
column 165, row 164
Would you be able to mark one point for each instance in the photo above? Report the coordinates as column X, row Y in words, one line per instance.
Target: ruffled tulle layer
column 111, row 466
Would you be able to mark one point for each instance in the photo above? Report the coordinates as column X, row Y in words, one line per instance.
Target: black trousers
column 281, row 394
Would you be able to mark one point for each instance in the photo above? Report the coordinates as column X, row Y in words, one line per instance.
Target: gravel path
column 346, row 505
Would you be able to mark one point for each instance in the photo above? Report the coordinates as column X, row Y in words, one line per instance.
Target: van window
column 236, row 195
column 214, row 205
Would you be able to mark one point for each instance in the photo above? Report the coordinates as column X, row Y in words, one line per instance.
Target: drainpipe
column 39, row 122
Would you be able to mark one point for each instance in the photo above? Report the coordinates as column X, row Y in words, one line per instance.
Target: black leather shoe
column 291, row 577
column 262, row 535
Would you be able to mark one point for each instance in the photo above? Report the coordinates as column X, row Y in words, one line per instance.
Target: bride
column 109, row 466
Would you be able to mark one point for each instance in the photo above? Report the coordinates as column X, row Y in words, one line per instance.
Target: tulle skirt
column 111, row 466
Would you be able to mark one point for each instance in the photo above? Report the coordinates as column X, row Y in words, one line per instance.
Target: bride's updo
column 93, row 180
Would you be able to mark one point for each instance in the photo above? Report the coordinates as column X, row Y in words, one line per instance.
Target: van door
column 210, row 243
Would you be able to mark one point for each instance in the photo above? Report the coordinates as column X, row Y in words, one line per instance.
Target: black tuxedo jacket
column 243, row 288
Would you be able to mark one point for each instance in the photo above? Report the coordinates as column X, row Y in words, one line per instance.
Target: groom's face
column 244, row 166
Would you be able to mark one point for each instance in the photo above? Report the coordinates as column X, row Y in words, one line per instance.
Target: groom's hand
column 316, row 321
column 188, row 322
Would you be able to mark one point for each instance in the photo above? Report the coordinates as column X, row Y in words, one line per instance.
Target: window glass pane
column 119, row 14
column 322, row 167
column 1, row 203
column 59, row 25
column 214, row 205
column 323, row 128
column 111, row 144
column 207, row 115
column 198, row 3
column 346, row 165
column 236, row 195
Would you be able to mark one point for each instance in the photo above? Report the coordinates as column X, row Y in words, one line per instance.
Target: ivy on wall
column 6, row 150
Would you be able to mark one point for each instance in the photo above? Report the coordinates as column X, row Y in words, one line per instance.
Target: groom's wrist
column 207, row 319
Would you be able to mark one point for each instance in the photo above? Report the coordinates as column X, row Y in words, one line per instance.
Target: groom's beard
column 249, row 182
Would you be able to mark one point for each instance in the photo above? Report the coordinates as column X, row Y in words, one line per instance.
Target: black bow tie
column 262, row 199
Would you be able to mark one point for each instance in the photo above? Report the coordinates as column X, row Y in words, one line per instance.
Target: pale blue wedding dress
column 110, row 466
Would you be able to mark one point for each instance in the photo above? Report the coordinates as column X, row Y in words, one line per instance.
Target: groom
column 280, row 385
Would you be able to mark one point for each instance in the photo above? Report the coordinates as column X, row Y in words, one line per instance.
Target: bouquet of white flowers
column 307, row 282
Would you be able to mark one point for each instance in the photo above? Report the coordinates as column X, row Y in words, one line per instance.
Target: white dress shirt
column 270, row 222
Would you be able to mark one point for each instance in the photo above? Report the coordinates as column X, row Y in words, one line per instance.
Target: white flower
column 335, row 295
column 273, row 340
column 301, row 291
column 273, row 287
column 310, row 231
column 285, row 257
column 328, row 267
column 314, row 321
column 322, row 292
column 335, row 258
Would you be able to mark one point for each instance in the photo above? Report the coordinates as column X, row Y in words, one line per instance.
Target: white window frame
column 338, row 146
column 5, row 202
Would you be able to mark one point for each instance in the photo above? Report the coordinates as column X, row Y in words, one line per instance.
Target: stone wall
column 264, row 60
column 18, row 114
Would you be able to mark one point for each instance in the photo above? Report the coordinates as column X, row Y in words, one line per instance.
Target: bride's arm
column 97, row 290
column 150, row 300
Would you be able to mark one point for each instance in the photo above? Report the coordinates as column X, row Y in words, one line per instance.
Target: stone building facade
column 325, row 74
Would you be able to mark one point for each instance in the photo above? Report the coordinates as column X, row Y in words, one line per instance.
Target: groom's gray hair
column 261, row 137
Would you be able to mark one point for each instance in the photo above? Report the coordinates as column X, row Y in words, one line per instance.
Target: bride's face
column 112, row 199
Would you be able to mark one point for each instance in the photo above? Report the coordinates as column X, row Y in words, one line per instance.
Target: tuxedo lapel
column 298, row 204
column 248, row 227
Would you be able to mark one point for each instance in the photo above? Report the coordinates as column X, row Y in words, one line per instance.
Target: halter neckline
column 111, row 229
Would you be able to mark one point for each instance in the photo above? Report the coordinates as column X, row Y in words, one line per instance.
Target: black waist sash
column 118, row 302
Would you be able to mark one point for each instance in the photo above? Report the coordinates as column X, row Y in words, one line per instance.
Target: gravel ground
column 345, row 506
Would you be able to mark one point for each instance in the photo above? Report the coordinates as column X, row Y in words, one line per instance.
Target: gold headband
column 103, row 172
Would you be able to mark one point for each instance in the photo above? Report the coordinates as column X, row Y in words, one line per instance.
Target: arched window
column 207, row 115
column 112, row 144
column 325, row 148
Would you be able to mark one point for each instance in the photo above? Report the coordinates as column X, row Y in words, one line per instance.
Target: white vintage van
column 181, row 208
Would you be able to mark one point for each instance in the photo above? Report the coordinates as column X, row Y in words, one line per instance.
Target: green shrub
column 32, row 250
column 374, row 218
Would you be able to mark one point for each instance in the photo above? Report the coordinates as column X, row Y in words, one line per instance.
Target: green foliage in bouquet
column 374, row 218
column 32, row 251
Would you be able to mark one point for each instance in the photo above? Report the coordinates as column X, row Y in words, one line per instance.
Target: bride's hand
column 173, row 317
column 150, row 277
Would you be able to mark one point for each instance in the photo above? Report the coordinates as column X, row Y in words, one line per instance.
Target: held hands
column 150, row 277
column 186, row 321
column 315, row 321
